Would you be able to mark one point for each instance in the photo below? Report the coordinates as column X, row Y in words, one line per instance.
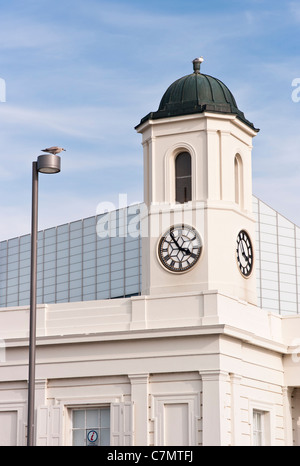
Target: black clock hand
column 243, row 252
column 173, row 238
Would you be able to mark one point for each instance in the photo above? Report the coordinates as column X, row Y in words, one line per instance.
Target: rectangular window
column 258, row 428
column 91, row 427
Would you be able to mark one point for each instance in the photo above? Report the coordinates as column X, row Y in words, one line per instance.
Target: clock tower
column 198, row 228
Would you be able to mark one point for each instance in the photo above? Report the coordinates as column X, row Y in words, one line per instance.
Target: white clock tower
column 198, row 229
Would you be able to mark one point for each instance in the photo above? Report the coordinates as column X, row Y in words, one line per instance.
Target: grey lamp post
column 47, row 163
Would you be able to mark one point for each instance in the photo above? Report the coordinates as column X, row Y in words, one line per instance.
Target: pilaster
column 214, row 408
column 139, row 397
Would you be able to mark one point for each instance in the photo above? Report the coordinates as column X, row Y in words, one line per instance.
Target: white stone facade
column 208, row 369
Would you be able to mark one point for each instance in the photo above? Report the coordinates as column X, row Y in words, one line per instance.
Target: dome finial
column 196, row 64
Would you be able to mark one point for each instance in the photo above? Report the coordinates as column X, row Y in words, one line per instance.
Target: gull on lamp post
column 46, row 163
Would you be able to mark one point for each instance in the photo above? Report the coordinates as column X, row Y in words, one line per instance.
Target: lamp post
column 47, row 163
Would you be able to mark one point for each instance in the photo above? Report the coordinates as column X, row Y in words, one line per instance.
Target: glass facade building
column 74, row 262
column 277, row 260
column 94, row 258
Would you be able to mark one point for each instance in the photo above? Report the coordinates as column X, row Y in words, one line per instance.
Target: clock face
column 244, row 253
column 180, row 248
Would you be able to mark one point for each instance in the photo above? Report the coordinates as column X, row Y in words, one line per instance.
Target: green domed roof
column 196, row 93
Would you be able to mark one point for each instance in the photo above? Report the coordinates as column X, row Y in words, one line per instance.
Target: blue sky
column 81, row 74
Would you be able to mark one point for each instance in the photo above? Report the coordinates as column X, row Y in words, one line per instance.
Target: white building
column 202, row 347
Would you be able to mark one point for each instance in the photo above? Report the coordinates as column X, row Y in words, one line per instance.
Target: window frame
column 268, row 421
column 186, row 166
column 98, row 427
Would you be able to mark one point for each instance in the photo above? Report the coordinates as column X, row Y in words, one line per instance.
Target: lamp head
column 48, row 163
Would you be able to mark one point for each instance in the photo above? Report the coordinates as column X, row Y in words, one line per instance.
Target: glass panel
column 92, row 418
column 75, row 259
column 286, row 278
column 12, row 301
column 183, row 172
column 50, row 251
column 50, row 266
column 49, row 289
column 76, row 237
column 133, row 290
column 25, row 255
column 288, row 260
column 13, row 263
column 288, row 306
column 103, row 243
column 75, row 275
column 269, row 265
column 89, row 222
column 268, row 247
column 266, row 210
column 116, row 266
column 268, row 224
column 24, row 287
column 24, row 278
column 132, row 280
column 75, row 294
column 289, row 269
column 103, row 269
column 103, row 286
column 286, row 250
column 49, row 298
column 88, row 256
column 62, row 261
column 75, row 242
column 88, row 239
column 13, row 281
column 270, row 294
column 117, row 292
column 79, row 418
column 12, row 290
column 269, row 275
column 63, row 228
column 89, row 296
column 102, row 295
column 131, row 254
column 105, row 437
column 105, row 417
column 287, row 232
column 283, row 222
column 89, row 273
column 270, row 303
column 89, row 281
column 268, row 256
column 49, row 280
column 119, row 276
column 285, row 241
column 62, row 287
column 12, row 274
column 75, row 226
column 132, row 272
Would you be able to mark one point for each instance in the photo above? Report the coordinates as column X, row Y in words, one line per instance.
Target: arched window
column 238, row 179
column 183, row 177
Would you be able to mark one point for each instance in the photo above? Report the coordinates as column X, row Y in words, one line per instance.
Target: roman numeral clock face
column 244, row 253
column 180, row 248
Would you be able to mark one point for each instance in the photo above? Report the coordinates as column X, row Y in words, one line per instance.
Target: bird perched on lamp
column 53, row 150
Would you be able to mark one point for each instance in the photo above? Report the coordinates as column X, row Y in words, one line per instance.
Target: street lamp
column 47, row 163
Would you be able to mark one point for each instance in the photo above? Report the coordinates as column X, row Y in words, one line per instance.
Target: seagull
column 53, row 150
